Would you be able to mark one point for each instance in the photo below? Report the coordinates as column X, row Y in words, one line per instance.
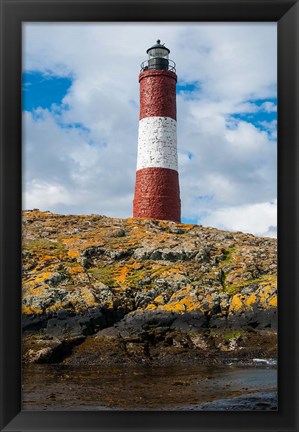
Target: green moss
column 45, row 246
column 228, row 255
column 135, row 276
column 38, row 335
column 162, row 269
column 223, row 278
column 226, row 335
column 229, row 335
column 104, row 274
column 234, row 289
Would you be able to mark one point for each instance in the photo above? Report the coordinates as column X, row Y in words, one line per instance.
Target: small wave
column 268, row 362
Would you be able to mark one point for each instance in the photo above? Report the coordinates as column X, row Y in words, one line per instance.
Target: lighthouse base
column 157, row 194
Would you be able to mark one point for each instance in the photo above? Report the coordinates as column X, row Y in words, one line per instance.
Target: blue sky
column 43, row 90
column 266, row 112
column 80, row 119
column 40, row 90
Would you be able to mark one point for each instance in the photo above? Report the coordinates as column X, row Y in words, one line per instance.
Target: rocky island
column 106, row 291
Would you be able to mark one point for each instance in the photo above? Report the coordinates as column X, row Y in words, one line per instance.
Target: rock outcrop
column 98, row 289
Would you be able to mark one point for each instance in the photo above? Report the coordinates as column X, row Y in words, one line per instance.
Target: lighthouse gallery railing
column 158, row 63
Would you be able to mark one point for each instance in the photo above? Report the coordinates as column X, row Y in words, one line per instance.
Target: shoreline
column 60, row 387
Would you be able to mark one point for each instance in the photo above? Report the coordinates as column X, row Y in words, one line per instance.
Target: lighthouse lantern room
column 157, row 193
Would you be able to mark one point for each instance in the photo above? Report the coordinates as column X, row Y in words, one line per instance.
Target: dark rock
column 119, row 254
column 49, row 350
column 254, row 319
column 34, row 322
column 176, row 230
column 118, row 233
column 190, row 321
column 89, row 253
column 218, row 321
column 69, row 323
column 254, row 402
column 262, row 318
column 62, row 314
column 55, row 278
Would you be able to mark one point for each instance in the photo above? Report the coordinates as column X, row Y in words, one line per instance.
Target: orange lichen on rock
column 249, row 301
column 265, row 293
column 29, row 310
column 236, row 304
column 181, row 301
column 143, row 264
column 272, row 301
column 74, row 270
column 89, row 298
column 123, row 274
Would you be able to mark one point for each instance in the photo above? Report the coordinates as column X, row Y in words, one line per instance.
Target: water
column 58, row 387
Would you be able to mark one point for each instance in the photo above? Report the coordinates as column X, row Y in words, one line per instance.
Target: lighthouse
column 157, row 192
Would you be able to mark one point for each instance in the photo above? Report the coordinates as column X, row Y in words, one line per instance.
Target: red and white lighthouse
column 157, row 192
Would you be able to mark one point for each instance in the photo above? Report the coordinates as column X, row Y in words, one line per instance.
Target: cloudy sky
column 81, row 113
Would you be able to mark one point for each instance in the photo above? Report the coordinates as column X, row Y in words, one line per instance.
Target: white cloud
column 91, row 178
column 259, row 219
column 42, row 195
column 233, row 162
column 269, row 107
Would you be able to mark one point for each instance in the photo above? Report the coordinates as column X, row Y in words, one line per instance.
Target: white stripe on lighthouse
column 157, row 143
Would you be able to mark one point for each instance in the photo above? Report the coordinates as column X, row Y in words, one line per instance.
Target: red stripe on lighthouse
column 157, row 194
column 157, row 94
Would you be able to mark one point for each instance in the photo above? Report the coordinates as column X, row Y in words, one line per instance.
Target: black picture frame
column 13, row 13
